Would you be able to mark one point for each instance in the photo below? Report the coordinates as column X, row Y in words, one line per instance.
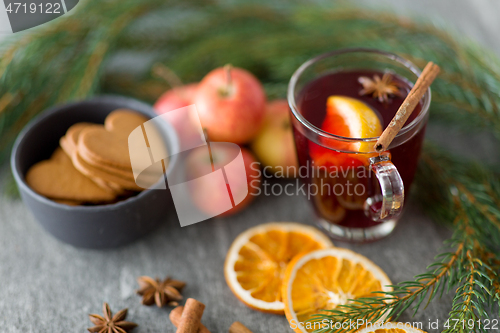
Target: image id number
column 472, row 324
column 33, row 8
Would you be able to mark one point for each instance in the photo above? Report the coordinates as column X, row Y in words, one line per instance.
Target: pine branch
column 465, row 198
column 72, row 52
column 440, row 277
column 467, row 310
column 495, row 287
column 270, row 42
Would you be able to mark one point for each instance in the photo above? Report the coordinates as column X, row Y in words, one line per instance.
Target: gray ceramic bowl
column 97, row 227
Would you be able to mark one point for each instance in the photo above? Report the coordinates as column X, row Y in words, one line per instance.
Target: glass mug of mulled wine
column 340, row 103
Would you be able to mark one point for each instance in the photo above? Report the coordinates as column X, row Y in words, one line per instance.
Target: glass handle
column 390, row 203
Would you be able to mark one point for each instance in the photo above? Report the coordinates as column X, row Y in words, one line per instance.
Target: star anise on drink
column 380, row 88
column 109, row 323
column 166, row 292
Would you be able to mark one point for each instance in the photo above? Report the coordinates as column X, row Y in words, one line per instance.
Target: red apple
column 209, row 194
column 174, row 99
column 274, row 144
column 231, row 105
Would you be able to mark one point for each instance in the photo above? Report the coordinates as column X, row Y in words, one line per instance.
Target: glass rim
column 392, row 56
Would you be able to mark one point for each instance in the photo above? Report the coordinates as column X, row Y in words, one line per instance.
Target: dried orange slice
column 257, row 259
column 324, row 279
column 392, row 327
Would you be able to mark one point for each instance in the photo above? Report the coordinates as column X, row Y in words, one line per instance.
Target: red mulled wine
column 343, row 188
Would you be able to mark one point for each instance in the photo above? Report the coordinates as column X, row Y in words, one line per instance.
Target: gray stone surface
column 47, row 286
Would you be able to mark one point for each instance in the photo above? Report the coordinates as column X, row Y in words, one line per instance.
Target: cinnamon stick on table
column 175, row 318
column 238, row 327
column 191, row 316
column 428, row 75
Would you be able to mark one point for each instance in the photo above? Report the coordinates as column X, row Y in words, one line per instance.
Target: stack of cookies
column 92, row 164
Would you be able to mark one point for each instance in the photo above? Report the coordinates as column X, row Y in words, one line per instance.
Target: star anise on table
column 380, row 88
column 109, row 323
column 166, row 292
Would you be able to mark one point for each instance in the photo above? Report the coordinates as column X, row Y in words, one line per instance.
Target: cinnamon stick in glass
column 428, row 75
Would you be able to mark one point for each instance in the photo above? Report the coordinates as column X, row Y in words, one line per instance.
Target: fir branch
column 73, row 51
column 466, row 196
column 467, row 310
column 440, row 277
column 495, row 287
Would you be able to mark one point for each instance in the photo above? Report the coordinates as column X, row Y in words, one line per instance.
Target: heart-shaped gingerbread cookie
column 57, row 178
column 109, row 145
column 91, row 171
column 69, row 143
